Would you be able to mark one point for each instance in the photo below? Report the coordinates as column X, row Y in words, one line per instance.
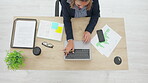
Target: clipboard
column 23, row 33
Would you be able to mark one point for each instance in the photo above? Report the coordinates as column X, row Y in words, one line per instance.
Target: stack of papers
column 50, row 30
column 23, row 29
column 111, row 40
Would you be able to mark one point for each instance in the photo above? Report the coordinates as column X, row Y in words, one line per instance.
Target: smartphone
column 100, row 35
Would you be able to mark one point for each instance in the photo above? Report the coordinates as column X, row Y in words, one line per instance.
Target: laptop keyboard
column 79, row 54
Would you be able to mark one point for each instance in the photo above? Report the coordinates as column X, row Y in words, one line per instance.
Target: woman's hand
column 69, row 47
column 86, row 37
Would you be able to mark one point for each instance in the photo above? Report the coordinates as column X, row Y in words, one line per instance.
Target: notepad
column 23, row 34
column 50, row 30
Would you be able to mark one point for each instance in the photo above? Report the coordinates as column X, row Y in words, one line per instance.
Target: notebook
column 50, row 30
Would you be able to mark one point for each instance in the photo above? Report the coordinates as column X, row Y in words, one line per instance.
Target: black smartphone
column 100, row 35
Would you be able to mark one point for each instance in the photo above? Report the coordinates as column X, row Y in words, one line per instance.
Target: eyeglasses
column 49, row 45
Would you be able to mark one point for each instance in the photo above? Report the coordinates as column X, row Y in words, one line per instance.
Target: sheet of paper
column 50, row 30
column 24, row 34
column 111, row 40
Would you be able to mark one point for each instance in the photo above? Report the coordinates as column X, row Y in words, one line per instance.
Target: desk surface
column 52, row 58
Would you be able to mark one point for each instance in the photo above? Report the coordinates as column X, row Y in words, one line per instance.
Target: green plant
column 14, row 60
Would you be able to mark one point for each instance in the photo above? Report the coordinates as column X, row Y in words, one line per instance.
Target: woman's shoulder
column 95, row 0
column 63, row 1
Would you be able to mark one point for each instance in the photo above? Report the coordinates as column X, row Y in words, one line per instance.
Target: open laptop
column 82, row 51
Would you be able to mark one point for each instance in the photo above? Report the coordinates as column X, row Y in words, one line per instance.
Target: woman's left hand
column 86, row 37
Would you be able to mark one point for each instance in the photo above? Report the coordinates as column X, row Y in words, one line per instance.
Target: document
column 50, row 30
column 111, row 40
column 24, row 34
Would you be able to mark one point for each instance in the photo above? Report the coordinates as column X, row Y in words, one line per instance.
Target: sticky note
column 54, row 25
column 59, row 30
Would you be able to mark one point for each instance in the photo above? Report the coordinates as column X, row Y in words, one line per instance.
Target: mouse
column 117, row 60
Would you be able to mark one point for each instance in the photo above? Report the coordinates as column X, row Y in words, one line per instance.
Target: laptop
column 81, row 51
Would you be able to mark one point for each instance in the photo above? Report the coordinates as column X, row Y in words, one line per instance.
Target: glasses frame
column 46, row 44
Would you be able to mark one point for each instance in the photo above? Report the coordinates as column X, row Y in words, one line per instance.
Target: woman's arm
column 67, row 19
column 94, row 16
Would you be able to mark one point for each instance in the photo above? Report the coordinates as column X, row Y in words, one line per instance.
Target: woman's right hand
column 69, row 47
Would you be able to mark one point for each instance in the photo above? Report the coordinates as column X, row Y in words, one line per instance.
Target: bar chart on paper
column 50, row 30
column 111, row 40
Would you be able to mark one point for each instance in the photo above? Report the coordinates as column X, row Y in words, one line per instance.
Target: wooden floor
column 135, row 13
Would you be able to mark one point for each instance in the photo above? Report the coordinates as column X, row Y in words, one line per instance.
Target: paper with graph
column 111, row 40
column 50, row 30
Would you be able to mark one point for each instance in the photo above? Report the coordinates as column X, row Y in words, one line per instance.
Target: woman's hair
column 88, row 6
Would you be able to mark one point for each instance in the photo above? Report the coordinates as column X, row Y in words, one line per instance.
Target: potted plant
column 14, row 60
